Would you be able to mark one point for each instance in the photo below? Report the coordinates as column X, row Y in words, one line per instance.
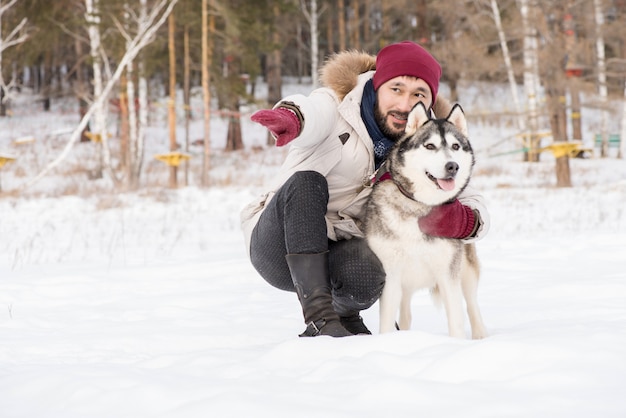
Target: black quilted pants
column 294, row 223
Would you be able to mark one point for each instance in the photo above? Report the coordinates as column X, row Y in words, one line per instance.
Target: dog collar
column 386, row 175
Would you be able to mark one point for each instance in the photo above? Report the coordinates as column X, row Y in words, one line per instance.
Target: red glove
column 450, row 220
column 282, row 123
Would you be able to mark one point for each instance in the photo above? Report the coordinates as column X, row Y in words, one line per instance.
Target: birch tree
column 137, row 125
column 601, row 68
column 531, row 139
column 622, row 149
column 147, row 27
column 99, row 129
column 15, row 37
column 509, row 66
column 312, row 16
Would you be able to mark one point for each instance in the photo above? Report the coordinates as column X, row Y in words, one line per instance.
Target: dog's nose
column 452, row 168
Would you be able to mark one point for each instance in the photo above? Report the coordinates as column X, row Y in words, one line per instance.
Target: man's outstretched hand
column 282, row 123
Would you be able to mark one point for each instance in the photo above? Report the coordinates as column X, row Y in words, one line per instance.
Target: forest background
column 116, row 58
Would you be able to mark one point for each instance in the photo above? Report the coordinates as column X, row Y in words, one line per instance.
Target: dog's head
column 434, row 160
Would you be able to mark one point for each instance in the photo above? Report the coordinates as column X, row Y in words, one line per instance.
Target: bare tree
column 601, row 67
column 355, row 25
column 147, row 26
column 341, row 16
column 312, row 16
column 531, row 138
column 172, row 102
column 622, row 149
column 99, row 129
column 509, row 66
column 15, row 37
column 208, row 31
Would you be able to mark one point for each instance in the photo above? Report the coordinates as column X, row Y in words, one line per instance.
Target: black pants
column 294, row 223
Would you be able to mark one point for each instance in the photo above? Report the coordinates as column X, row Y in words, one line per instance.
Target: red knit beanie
column 407, row 58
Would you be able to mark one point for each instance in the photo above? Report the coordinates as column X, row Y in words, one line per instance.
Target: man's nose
column 407, row 103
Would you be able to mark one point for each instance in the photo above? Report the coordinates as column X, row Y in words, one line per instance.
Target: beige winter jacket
column 335, row 143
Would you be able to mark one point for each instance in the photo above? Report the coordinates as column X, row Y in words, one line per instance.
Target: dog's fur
column 423, row 173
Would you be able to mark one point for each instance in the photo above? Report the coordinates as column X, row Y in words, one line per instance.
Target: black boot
column 349, row 316
column 309, row 273
column 354, row 324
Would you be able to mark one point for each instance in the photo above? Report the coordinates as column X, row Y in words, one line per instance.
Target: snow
column 145, row 305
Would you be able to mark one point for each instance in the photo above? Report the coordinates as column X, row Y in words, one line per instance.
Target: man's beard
column 388, row 133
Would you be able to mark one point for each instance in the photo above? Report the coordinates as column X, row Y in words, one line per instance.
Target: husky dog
column 429, row 166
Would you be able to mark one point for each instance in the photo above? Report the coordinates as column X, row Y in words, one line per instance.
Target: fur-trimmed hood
column 341, row 70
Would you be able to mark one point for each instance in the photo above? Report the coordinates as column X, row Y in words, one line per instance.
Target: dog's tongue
column 446, row 184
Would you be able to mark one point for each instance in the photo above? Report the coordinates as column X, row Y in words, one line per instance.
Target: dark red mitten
column 451, row 220
column 281, row 122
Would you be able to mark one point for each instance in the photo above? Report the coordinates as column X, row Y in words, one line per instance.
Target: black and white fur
column 429, row 166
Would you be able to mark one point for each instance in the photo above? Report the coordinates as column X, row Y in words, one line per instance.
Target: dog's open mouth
column 443, row 184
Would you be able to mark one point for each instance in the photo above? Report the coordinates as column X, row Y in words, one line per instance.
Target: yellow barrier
column 562, row 149
column 95, row 137
column 6, row 159
column 173, row 159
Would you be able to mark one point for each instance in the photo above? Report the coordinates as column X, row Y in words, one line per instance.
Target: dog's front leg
column 470, row 284
column 405, row 319
column 389, row 303
column 452, row 296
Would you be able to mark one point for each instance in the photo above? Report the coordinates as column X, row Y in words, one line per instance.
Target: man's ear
column 417, row 117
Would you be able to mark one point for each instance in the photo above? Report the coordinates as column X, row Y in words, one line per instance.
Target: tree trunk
column 7, row 39
column 47, row 81
column 147, row 30
column 602, row 88
column 173, row 183
column 341, row 22
column 555, row 87
column 273, row 67
column 509, row 66
column 421, row 29
column 82, row 90
column 355, row 25
column 386, row 29
column 208, row 32
column 367, row 28
column 132, row 178
column 574, row 91
column 622, row 147
column 100, row 114
column 312, row 17
column 186, row 95
column 138, row 154
column 124, row 125
column 330, row 25
column 558, row 124
column 531, row 138
column 274, row 62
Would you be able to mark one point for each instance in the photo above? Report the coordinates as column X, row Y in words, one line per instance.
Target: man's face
column 395, row 99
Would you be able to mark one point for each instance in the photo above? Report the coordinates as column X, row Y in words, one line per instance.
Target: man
column 304, row 234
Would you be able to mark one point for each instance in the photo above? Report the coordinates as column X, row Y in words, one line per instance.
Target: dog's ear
column 417, row 117
column 457, row 118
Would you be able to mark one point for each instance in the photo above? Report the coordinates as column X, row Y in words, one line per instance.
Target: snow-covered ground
column 145, row 305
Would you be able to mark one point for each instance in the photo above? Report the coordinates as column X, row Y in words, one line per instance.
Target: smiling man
column 305, row 233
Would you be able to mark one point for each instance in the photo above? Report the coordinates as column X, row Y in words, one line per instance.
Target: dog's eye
column 430, row 147
column 456, row 147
